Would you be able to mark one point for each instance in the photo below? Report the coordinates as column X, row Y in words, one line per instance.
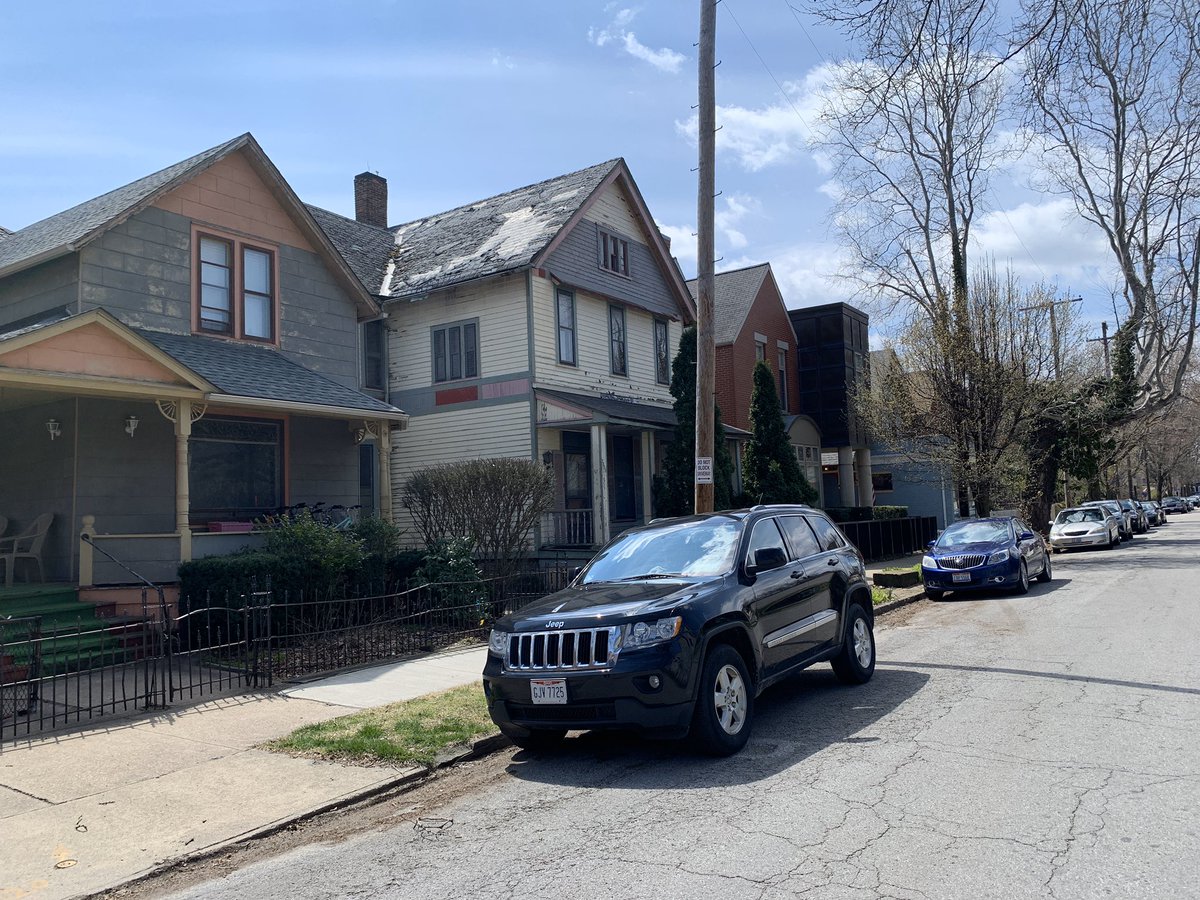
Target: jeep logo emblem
column 554, row 624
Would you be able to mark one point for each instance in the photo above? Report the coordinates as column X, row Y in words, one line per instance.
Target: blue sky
column 454, row 101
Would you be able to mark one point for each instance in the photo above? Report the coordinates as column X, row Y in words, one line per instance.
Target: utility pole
column 1104, row 338
column 705, row 194
column 1055, row 347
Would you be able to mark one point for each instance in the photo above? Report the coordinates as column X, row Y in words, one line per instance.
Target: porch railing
column 567, row 528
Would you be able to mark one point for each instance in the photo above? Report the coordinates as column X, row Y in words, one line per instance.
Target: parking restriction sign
column 704, row 470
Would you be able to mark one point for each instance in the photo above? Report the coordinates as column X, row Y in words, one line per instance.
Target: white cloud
column 499, row 60
column 737, row 207
column 617, row 32
column 683, row 244
column 1046, row 241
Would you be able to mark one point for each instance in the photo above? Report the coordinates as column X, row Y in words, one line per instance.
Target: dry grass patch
column 415, row 731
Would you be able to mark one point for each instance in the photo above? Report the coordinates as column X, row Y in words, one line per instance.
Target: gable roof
column 68, row 231
column 494, row 235
column 366, row 248
column 4, row 232
column 734, row 293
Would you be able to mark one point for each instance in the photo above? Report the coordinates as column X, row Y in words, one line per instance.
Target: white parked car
column 1085, row 526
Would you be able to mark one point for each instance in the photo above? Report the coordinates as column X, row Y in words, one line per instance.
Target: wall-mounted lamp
column 53, row 426
column 131, row 424
column 548, row 458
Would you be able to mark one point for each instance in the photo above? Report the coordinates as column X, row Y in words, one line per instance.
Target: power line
column 796, row 16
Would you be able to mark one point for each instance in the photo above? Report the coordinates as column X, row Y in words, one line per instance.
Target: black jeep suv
column 676, row 627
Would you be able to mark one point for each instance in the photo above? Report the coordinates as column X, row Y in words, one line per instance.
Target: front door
column 624, row 468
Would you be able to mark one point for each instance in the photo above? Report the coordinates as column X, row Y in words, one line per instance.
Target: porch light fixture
column 131, row 424
column 54, row 427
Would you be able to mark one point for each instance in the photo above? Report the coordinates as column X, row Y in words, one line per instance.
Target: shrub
column 493, row 503
column 889, row 512
column 312, row 559
column 772, row 473
column 454, row 582
column 220, row 580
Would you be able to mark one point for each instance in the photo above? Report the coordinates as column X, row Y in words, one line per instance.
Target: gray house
column 177, row 357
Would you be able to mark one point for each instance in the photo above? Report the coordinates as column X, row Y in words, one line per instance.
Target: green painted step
column 77, row 652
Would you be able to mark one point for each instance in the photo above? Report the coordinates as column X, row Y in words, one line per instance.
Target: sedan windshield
column 974, row 533
column 1075, row 516
column 689, row 549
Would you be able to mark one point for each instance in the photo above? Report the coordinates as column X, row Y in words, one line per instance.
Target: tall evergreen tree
column 772, row 472
column 674, row 493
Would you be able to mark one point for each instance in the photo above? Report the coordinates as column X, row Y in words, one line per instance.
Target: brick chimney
column 370, row 199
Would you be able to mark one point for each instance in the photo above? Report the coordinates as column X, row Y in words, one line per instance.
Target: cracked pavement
column 1037, row 746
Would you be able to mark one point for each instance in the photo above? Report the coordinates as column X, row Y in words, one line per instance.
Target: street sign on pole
column 704, row 470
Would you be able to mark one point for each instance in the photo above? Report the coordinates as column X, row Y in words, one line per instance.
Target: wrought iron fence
column 71, row 675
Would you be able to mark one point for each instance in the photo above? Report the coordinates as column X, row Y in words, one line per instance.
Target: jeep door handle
column 798, row 573
column 832, row 561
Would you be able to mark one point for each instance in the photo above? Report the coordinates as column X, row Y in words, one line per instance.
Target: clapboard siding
column 499, row 305
column 613, row 209
column 593, row 374
column 478, row 433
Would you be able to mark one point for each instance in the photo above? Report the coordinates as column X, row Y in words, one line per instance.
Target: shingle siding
column 319, row 327
column 51, row 285
column 577, row 261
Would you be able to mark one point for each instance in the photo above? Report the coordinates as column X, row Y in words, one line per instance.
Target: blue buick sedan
column 977, row 554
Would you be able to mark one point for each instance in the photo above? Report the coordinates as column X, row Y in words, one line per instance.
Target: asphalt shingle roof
column 619, row 408
column 733, row 295
column 244, row 370
column 365, row 248
column 78, row 222
column 490, row 236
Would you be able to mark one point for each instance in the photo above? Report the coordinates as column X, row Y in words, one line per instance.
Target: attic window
column 614, row 253
column 236, row 288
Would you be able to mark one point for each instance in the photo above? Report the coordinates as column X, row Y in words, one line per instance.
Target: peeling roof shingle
column 733, row 295
column 64, row 228
column 365, row 248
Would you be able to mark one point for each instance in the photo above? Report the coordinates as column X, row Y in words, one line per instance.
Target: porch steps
column 75, row 636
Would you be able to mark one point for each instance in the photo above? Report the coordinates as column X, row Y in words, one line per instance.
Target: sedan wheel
column 1023, row 585
column 1046, row 574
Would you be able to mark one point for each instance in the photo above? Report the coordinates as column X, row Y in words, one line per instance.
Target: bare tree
column 1115, row 90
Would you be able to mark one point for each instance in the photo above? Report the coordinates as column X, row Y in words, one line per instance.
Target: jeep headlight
column 998, row 557
column 498, row 642
column 644, row 634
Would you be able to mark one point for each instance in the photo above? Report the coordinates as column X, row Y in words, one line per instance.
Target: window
column 565, row 301
column 760, row 352
column 800, row 535
column 765, row 536
column 374, row 369
column 456, row 352
column 662, row 352
column 366, row 479
column 614, row 253
column 616, row 340
column 235, row 468
column 236, row 288
column 783, row 380
column 881, row 482
column 828, row 536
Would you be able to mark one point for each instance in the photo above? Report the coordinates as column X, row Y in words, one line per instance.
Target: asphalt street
column 1038, row 746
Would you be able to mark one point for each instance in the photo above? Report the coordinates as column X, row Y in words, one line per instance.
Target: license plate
column 549, row 690
column 961, row 577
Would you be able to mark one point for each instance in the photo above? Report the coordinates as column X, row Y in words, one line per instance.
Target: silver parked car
column 1122, row 515
column 1085, row 526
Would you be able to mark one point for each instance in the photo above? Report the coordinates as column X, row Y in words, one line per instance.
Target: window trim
column 891, row 480
column 604, row 235
column 238, row 244
column 663, row 377
column 560, row 292
column 433, row 333
column 381, row 368
column 612, row 361
column 200, row 517
column 781, row 359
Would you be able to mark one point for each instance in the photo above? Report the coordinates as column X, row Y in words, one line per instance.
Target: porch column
column 600, row 484
column 647, row 476
column 384, row 462
column 183, row 430
column 846, row 475
column 866, row 491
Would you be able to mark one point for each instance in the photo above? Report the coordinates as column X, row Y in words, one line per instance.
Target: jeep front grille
column 572, row 650
column 960, row 562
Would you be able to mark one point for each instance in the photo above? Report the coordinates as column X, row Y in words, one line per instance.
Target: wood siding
column 593, row 373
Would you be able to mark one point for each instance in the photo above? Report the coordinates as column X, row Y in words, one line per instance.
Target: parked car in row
column 678, row 626
column 1174, row 505
column 975, row 554
column 1084, row 526
column 1123, row 515
column 1154, row 513
column 1137, row 515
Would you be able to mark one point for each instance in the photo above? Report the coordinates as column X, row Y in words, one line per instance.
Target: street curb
column 481, row 747
column 896, row 604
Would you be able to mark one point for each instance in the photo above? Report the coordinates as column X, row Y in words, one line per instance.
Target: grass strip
column 415, row 731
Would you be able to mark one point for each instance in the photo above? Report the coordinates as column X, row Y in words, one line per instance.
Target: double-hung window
column 565, row 301
column 783, row 381
column 373, row 354
column 662, row 352
column 456, row 351
column 616, row 340
column 237, row 291
column 614, row 253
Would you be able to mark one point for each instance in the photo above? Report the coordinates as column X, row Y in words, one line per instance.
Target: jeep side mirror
column 769, row 558
column 575, row 572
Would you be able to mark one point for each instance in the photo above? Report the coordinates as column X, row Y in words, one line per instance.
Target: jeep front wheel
column 724, row 703
column 855, row 662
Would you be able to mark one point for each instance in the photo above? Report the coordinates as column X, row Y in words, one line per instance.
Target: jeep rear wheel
column 724, row 703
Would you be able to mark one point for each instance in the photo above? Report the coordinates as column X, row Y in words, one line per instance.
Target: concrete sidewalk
column 83, row 812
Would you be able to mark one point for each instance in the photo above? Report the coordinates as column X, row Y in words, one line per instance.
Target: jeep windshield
column 693, row 549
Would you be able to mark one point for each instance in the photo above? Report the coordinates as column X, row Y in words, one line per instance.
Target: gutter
column 316, row 409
